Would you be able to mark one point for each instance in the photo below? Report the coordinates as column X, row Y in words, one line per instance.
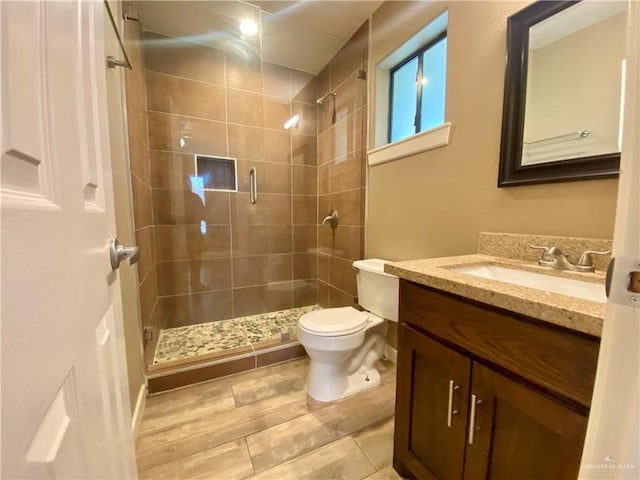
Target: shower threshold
column 231, row 337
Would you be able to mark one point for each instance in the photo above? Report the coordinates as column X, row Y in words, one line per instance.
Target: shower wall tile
column 323, row 81
column 305, row 238
column 305, row 265
column 166, row 93
column 325, row 142
column 305, row 293
column 350, row 206
column 342, row 275
column 324, row 268
column 262, row 269
column 338, row 298
column 350, row 57
column 270, row 209
column 325, row 113
column 250, row 271
column 246, row 142
column 183, row 59
column 137, row 116
column 305, row 209
column 180, row 207
column 171, row 169
column 349, row 242
column 304, row 87
column 280, row 268
column 348, row 172
column 277, row 146
column 271, row 177
column 342, row 170
column 192, row 276
column 308, row 117
column 323, row 294
column 261, row 239
column 323, row 180
column 148, row 293
column 187, row 242
column 305, row 180
column 277, row 81
column 243, row 74
column 275, row 112
column 186, row 134
column 261, row 299
column 244, row 108
column 142, row 207
column 350, row 98
column 304, row 149
column 182, row 310
column 145, row 240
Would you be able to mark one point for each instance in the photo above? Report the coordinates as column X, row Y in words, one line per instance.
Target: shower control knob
column 119, row 253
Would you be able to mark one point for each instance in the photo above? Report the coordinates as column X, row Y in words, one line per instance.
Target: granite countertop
column 581, row 315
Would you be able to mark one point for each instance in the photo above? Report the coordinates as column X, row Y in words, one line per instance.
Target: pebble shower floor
column 227, row 336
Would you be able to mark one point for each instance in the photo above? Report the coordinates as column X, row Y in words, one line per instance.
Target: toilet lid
column 334, row 321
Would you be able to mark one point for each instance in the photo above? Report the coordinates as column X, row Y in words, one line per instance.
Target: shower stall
column 227, row 199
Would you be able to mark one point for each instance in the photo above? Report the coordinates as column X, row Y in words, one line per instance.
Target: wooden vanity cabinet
column 526, row 425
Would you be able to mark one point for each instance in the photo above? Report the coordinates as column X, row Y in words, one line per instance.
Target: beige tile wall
column 141, row 182
column 201, row 100
column 341, row 170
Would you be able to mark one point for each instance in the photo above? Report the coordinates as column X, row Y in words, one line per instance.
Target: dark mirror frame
column 511, row 172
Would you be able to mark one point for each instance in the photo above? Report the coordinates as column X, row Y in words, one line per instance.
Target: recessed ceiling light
column 248, row 27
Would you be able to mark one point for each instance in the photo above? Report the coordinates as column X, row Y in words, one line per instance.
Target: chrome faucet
column 332, row 218
column 553, row 257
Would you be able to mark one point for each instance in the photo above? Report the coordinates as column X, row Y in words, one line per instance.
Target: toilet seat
column 334, row 322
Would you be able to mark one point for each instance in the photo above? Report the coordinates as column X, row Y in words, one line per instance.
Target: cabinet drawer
column 558, row 360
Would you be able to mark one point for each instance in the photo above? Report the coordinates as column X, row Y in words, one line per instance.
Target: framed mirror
column 564, row 85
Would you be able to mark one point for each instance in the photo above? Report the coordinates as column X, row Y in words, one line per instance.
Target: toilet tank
column 377, row 290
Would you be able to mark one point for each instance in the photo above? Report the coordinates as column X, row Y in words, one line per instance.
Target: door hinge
column 623, row 281
column 147, row 335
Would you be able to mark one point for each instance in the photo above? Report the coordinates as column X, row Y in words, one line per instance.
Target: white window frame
column 438, row 136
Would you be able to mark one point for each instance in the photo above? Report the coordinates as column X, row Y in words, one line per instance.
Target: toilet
column 342, row 343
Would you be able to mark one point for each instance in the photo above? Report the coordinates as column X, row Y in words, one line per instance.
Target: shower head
column 321, row 100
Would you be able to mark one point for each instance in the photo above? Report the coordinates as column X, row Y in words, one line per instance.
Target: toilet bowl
column 343, row 343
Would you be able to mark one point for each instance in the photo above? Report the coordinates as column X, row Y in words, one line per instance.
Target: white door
column 65, row 407
column 612, row 445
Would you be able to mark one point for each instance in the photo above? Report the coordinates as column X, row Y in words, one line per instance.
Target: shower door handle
column 253, row 185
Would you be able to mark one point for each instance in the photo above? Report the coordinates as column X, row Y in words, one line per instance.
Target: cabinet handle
column 450, row 411
column 472, row 418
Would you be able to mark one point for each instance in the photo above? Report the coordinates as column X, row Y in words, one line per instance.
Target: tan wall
column 341, row 170
column 435, row 203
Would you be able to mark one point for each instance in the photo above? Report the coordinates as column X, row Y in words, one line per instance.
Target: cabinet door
column 429, row 443
column 520, row 433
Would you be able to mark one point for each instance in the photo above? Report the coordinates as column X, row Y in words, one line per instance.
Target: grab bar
column 253, row 185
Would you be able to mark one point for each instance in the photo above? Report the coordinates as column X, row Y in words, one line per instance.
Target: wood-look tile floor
column 261, row 425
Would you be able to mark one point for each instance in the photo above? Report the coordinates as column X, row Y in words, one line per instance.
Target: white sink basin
column 548, row 283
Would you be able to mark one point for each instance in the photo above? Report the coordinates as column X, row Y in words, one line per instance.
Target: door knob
column 119, row 253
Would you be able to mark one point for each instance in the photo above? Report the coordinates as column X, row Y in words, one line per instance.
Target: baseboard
column 136, row 418
column 391, row 353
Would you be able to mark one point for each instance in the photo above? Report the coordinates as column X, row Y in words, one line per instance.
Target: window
column 417, row 90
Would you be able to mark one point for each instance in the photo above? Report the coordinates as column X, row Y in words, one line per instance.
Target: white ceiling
column 303, row 35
